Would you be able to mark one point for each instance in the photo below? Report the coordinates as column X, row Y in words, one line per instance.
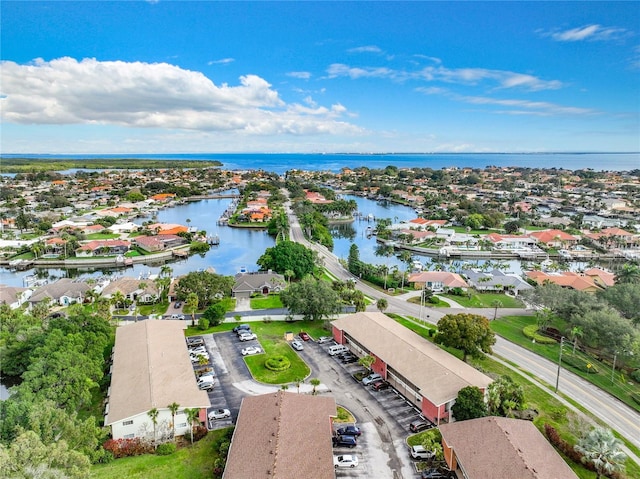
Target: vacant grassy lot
column 485, row 300
column 510, row 327
column 189, row 462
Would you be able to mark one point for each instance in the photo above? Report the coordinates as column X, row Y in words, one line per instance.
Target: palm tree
column 367, row 361
column 288, row 274
column 315, row 382
column 166, row 271
column 601, row 448
column 406, row 257
column 630, row 273
column 153, row 414
column 382, row 304
column 496, row 304
column 192, row 417
column 574, row 334
column 173, row 407
column 298, row 382
column 117, row 298
column 192, row 305
column 385, row 250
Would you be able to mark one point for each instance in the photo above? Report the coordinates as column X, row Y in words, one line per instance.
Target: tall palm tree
column 173, row 407
column 192, row 305
column 153, row 414
column 601, row 448
column 192, row 417
column 382, row 304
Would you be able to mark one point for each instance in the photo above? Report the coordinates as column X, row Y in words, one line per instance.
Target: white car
column 198, row 350
column 251, row 350
column 297, row 345
column 218, row 414
column 346, row 460
column 247, row 336
column 324, row 339
column 195, row 358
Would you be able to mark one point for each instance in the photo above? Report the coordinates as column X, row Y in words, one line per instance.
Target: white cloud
column 469, row 76
column 222, row 61
column 301, row 75
column 159, row 95
column 365, row 49
column 592, row 32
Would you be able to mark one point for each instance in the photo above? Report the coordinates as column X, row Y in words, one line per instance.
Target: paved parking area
column 383, row 416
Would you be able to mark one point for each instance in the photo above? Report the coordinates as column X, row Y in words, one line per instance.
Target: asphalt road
column 600, row 404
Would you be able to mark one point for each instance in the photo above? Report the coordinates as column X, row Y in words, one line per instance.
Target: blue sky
column 175, row 76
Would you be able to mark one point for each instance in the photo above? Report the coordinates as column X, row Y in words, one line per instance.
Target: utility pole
column 613, row 369
column 559, row 363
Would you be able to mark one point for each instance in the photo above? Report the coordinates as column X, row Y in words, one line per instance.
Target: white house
column 151, row 369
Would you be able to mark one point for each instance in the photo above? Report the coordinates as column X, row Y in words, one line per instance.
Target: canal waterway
column 240, row 248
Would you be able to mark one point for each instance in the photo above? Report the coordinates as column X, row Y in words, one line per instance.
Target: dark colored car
column 243, row 327
column 344, row 441
column 420, row 425
column 195, row 341
column 379, row 385
column 304, row 336
column 349, row 359
column 349, row 431
column 433, row 473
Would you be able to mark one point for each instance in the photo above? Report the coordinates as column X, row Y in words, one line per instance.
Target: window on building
column 182, row 424
column 129, row 436
column 127, row 423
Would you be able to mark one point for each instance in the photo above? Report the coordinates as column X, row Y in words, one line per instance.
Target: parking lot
column 383, row 416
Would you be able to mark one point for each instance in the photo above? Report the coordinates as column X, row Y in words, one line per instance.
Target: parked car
column 218, row 414
column 324, row 339
column 247, row 336
column 349, row 431
column 433, row 473
column 207, row 383
column 379, row 385
column 297, row 345
column 420, row 425
column 251, row 350
column 344, row 441
column 242, row 327
column 349, row 359
column 371, row 378
column 195, row 341
column 195, row 358
column 346, row 460
column 177, row 304
column 177, row 316
column 419, row 452
column 304, row 336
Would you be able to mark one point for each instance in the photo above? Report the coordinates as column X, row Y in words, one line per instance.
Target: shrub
column 199, row 432
column 277, row 363
column 166, row 449
column 636, row 397
column 531, row 332
column 127, row 447
column 635, row 375
column 203, row 323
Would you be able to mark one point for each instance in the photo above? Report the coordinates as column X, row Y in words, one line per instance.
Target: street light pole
column 422, row 300
column 613, row 369
column 559, row 363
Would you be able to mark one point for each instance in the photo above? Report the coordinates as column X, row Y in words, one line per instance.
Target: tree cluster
column 289, row 256
column 208, row 287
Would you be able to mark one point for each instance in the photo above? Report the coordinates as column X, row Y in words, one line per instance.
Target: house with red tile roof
column 511, row 242
column 566, row 279
column 103, row 248
column 554, row 238
column 437, row 280
column 161, row 242
column 167, row 228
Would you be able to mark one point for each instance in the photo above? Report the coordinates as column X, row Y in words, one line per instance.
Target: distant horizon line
column 338, row 153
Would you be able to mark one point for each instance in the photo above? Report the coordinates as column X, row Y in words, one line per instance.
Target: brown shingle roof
column 438, row 374
column 503, row 448
column 282, row 435
column 151, row 368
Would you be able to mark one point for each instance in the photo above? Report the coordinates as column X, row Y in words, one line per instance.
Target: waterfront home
column 14, row 296
column 161, row 242
column 282, row 435
column 554, row 238
column 133, row 289
column 496, row 280
column 64, row 292
column 614, row 238
column 167, row 228
column 427, row 376
column 511, row 242
column 501, row 448
column 151, row 370
column 261, row 282
column 103, row 248
column 437, row 280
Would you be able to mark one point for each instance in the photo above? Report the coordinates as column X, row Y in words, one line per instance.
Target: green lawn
column 485, row 300
column 276, row 346
column 429, row 304
column 269, row 302
column 190, row 462
column 551, row 411
column 101, row 236
column 510, row 327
